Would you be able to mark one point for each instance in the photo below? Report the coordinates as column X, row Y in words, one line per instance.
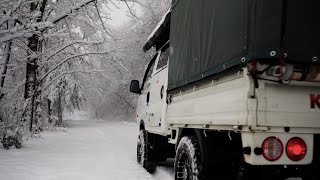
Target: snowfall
column 86, row 150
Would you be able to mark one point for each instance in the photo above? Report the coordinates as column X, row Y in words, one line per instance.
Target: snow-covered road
column 87, row 150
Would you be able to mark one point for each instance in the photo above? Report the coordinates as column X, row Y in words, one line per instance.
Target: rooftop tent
column 210, row 36
column 160, row 34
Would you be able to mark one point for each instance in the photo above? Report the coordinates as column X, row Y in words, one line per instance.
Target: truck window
column 163, row 60
column 150, row 70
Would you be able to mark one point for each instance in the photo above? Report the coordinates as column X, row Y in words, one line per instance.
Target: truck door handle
column 151, row 114
column 161, row 92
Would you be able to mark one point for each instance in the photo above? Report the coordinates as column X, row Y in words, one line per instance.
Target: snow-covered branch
column 68, row 45
column 102, row 23
column 8, row 17
column 69, row 58
column 24, row 31
column 15, row 36
column 70, row 72
column 69, row 11
column 130, row 10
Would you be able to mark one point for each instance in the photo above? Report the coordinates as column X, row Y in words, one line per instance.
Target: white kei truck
column 233, row 91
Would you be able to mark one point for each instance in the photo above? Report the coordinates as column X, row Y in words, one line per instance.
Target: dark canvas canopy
column 210, row 36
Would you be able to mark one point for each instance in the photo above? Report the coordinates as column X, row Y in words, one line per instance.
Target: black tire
column 188, row 165
column 143, row 152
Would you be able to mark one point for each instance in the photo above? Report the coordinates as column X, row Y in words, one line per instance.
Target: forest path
column 88, row 149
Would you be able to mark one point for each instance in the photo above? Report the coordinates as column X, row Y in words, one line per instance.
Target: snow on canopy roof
column 159, row 25
column 160, row 35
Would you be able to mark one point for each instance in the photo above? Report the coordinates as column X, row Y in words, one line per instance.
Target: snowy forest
column 58, row 56
column 159, row 90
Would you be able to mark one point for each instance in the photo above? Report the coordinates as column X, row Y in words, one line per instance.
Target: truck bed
column 233, row 101
column 217, row 102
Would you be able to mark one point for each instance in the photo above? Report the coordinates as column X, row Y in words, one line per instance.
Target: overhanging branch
column 69, row 11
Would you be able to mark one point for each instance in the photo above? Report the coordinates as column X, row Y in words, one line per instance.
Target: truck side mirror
column 135, row 87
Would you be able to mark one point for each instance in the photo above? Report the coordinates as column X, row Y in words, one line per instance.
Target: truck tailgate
column 288, row 105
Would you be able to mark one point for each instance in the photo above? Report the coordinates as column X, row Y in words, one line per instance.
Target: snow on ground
column 88, row 149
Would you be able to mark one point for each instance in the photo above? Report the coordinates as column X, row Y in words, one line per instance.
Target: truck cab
column 153, row 146
column 152, row 106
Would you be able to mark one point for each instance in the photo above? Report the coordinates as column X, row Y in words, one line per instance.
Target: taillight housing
column 272, row 148
column 296, row 149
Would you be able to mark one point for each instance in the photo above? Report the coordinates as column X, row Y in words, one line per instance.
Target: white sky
column 119, row 15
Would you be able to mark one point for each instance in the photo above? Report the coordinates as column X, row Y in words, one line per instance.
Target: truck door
column 158, row 90
column 144, row 101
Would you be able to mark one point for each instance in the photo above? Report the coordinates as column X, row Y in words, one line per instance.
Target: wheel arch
column 188, row 132
column 198, row 134
column 208, row 139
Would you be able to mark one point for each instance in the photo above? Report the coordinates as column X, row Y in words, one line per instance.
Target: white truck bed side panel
column 220, row 104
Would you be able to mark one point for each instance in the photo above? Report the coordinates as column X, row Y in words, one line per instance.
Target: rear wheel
column 188, row 165
column 143, row 152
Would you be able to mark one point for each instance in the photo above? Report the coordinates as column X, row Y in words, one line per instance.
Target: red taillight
column 272, row 149
column 296, row 149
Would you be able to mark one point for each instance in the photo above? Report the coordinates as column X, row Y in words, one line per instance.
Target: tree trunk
column 60, row 110
column 49, row 111
column 30, row 86
column 6, row 58
column 38, row 108
column 3, row 72
column 38, row 98
column 31, row 73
